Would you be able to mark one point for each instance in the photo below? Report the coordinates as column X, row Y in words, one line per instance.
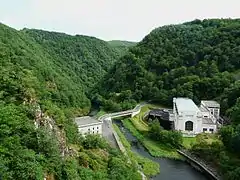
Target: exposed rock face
column 43, row 120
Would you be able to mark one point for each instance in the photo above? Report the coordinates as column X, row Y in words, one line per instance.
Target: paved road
column 107, row 124
column 108, row 129
column 108, row 132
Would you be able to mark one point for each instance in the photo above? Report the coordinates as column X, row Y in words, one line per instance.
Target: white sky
column 111, row 19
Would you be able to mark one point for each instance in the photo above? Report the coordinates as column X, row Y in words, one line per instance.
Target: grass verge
column 188, row 142
column 101, row 113
column 149, row 167
column 156, row 149
column 137, row 120
column 160, row 150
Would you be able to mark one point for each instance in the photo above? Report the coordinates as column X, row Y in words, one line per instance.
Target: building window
column 204, row 129
column 93, row 132
column 97, row 132
column 97, row 127
column 211, row 130
column 88, row 129
column 93, row 128
column 189, row 126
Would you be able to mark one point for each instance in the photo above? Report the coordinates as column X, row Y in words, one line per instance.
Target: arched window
column 189, row 126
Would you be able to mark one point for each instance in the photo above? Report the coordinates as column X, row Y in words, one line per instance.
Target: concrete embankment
column 119, row 143
column 197, row 164
column 123, row 149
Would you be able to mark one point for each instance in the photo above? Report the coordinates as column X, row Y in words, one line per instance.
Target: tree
column 235, row 115
column 226, row 133
column 70, row 170
column 171, row 138
column 119, row 171
column 235, row 141
column 155, row 129
column 94, row 141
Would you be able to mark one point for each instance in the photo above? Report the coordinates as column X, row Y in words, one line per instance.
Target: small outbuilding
column 163, row 116
column 88, row 125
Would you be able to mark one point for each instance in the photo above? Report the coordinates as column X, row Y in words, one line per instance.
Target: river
column 169, row 169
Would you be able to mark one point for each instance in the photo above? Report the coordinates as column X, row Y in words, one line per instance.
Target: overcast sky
column 111, row 19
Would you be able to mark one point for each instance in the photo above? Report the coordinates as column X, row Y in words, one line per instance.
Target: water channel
column 169, row 169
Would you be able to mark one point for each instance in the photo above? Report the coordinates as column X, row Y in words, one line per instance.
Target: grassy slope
column 137, row 120
column 138, row 128
column 101, row 113
column 154, row 148
column 116, row 43
column 188, row 142
column 149, row 167
column 121, row 47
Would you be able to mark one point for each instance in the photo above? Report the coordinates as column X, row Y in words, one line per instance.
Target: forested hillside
column 195, row 59
column 44, row 78
column 47, row 78
column 199, row 60
column 85, row 59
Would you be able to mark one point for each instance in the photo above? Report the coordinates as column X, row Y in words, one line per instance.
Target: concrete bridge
column 110, row 116
column 132, row 113
column 111, row 134
column 108, row 131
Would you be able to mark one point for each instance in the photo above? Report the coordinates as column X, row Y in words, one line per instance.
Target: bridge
column 116, row 115
column 112, row 136
column 108, row 131
column 132, row 112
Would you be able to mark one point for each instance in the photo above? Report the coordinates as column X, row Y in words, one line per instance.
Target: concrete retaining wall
column 123, row 150
column 119, row 143
column 199, row 166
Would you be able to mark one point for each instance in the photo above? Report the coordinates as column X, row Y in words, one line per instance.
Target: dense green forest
column 85, row 59
column 178, row 60
column 199, row 60
column 45, row 78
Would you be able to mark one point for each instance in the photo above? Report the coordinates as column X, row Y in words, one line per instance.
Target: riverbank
column 137, row 120
column 153, row 149
column 170, row 169
column 149, row 167
column 156, row 149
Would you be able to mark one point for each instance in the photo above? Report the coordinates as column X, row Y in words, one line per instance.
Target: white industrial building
column 191, row 119
column 89, row 125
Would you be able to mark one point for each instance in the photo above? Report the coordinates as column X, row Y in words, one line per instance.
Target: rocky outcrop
column 43, row 120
